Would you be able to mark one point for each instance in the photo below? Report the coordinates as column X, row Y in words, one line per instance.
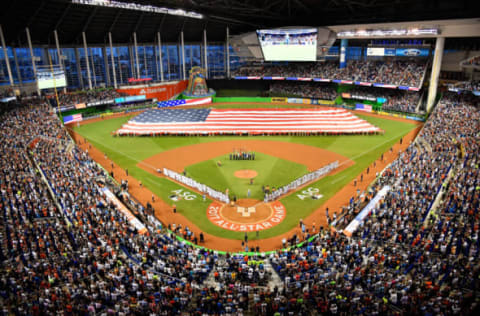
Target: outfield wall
column 311, row 101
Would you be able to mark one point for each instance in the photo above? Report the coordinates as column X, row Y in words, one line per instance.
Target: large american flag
column 251, row 121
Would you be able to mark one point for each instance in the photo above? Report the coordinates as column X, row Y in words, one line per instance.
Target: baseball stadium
column 240, row 157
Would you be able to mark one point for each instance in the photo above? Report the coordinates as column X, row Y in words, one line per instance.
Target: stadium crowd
column 396, row 100
column 466, row 85
column 475, row 61
column 396, row 72
column 303, row 89
column 419, row 263
column 73, row 252
column 87, row 96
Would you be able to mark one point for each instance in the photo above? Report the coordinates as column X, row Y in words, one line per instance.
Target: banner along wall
column 161, row 91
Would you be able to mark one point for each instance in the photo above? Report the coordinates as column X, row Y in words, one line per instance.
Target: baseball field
column 278, row 161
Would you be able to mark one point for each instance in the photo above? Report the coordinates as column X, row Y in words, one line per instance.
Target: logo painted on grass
column 266, row 216
column 310, row 193
column 179, row 194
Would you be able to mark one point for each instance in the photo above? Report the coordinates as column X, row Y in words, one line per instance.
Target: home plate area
column 246, row 215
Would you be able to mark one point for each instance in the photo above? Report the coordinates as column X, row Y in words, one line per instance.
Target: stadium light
column 139, row 7
column 389, row 32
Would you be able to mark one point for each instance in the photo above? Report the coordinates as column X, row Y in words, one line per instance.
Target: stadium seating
column 397, row 100
column 466, row 85
column 392, row 72
column 87, row 96
column 74, row 253
column 303, row 89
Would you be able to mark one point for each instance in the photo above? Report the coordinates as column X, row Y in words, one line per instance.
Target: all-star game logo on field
column 247, row 215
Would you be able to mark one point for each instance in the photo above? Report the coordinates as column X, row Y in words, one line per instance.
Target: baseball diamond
column 279, row 161
column 266, row 158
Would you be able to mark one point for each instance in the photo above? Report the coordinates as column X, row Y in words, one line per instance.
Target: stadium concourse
column 72, row 251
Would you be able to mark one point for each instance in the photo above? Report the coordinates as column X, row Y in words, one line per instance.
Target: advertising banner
column 375, row 51
column 101, row 102
column 412, row 52
column 295, row 100
column 321, row 101
column 130, row 80
column 161, row 92
column 343, row 53
column 389, row 51
column 279, row 100
column 135, row 222
column 135, row 98
column 326, row 102
column 352, row 227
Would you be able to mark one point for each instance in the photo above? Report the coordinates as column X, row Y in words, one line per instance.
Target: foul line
column 364, row 153
column 116, row 151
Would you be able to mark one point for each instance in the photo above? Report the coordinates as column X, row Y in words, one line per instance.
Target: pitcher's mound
column 245, row 174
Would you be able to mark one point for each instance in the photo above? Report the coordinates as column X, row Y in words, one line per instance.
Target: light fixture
column 139, row 7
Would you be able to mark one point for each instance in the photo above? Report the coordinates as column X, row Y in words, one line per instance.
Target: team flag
column 363, row 107
column 72, row 118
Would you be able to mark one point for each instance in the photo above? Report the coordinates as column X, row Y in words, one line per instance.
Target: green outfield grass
column 127, row 152
column 271, row 171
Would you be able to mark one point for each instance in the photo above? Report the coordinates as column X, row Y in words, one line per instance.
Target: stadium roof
column 70, row 19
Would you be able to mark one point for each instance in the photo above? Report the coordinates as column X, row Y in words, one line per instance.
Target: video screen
column 288, row 44
column 47, row 80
